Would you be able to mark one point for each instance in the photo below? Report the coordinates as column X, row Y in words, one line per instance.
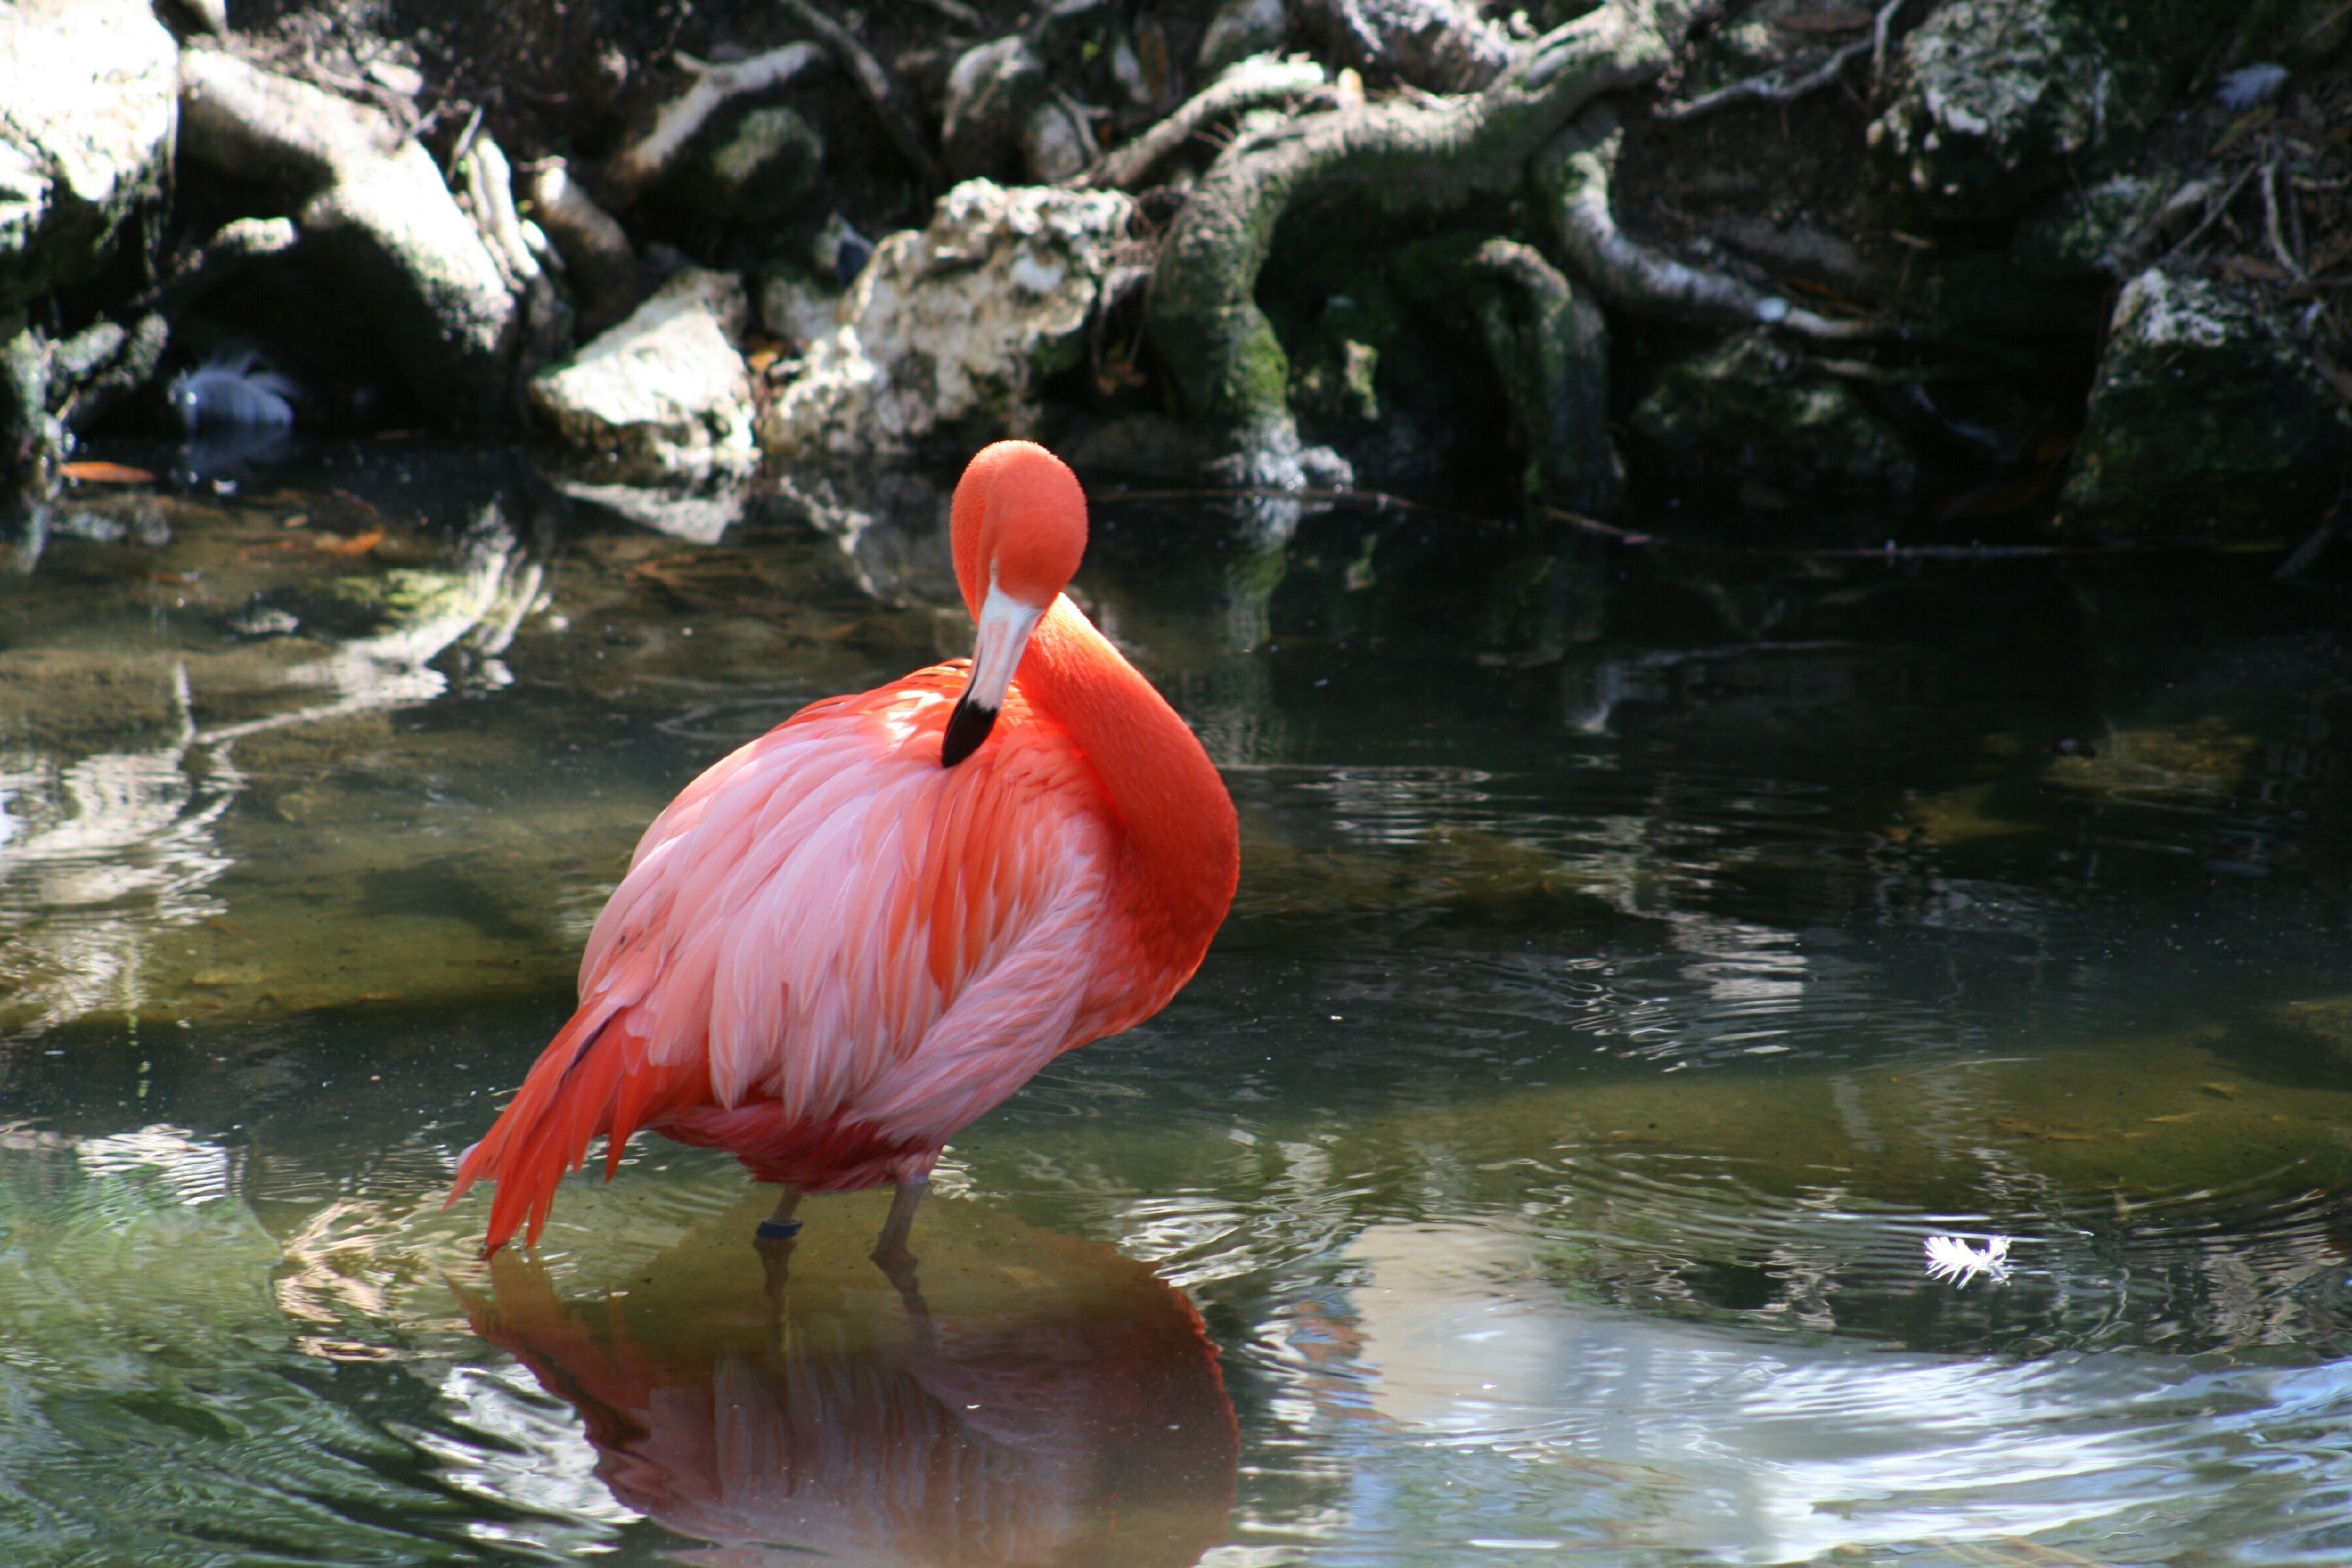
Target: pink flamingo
column 853, row 936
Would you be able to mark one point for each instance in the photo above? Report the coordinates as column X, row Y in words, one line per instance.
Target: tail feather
column 592, row 1078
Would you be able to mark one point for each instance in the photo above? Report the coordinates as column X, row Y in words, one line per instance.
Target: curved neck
column 1183, row 847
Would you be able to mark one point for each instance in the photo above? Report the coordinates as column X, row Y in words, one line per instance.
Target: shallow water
column 1639, row 952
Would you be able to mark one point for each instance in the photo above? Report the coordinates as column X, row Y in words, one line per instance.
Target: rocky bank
column 2002, row 268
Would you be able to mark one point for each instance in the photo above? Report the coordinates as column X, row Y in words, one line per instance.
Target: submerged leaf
column 102, row 473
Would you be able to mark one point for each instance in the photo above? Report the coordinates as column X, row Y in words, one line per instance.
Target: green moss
column 1746, row 409
column 1257, row 380
column 2204, row 419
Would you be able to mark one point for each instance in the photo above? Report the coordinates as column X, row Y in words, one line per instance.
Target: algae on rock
column 1748, row 409
column 2205, row 417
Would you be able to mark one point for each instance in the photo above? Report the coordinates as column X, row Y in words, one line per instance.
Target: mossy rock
column 755, row 168
column 2205, row 419
column 2000, row 101
column 2082, row 233
column 1749, row 409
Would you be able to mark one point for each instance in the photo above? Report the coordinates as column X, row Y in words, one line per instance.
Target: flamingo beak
column 1005, row 623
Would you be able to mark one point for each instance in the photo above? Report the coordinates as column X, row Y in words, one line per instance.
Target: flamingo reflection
column 1056, row 1403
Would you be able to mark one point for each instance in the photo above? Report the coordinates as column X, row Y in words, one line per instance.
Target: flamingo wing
column 830, row 936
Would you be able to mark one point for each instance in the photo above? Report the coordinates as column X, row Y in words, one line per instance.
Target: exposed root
column 1260, row 79
column 32, row 441
column 1774, row 86
column 1550, row 347
column 2271, row 231
column 1771, row 87
column 486, row 190
column 596, row 252
column 644, row 162
column 103, row 363
column 239, row 244
column 374, row 201
column 1882, row 34
column 1394, row 156
column 1573, row 176
column 882, row 92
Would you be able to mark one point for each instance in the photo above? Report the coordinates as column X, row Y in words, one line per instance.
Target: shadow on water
column 1641, row 952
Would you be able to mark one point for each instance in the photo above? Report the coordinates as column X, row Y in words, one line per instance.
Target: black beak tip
column 968, row 726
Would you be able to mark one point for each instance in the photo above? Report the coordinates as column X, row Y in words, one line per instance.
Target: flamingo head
column 1019, row 526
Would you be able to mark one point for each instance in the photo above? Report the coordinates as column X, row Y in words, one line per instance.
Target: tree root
column 486, row 190
column 644, row 162
column 597, row 255
column 237, row 244
column 1394, row 156
column 375, row 203
column 1769, row 88
column 1571, row 176
column 1550, row 348
column 1260, row 79
column 882, row 92
column 103, row 363
column 49, row 389
column 32, row 440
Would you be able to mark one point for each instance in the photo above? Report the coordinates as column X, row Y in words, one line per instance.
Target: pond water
column 1640, row 951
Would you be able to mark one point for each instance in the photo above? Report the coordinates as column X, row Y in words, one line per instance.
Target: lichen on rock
column 951, row 329
column 1997, row 101
column 1996, row 96
column 2205, row 418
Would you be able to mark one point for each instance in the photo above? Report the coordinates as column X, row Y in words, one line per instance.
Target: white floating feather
column 229, row 389
column 2250, row 85
column 1951, row 1257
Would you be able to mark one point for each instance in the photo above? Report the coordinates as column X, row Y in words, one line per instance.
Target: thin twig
column 1769, row 88
column 1880, row 31
column 2212, row 214
column 2270, row 221
column 2310, row 549
column 881, row 88
column 1246, row 86
column 465, row 143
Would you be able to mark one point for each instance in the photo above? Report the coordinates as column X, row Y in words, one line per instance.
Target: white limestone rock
column 89, row 105
column 697, row 516
column 949, row 328
column 664, row 398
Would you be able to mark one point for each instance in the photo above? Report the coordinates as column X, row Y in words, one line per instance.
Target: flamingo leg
column 774, row 1240
column 890, row 1253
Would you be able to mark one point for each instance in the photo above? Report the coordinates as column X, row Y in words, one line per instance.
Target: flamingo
column 850, row 938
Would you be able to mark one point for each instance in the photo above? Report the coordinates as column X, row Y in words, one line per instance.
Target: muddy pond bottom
column 1641, row 952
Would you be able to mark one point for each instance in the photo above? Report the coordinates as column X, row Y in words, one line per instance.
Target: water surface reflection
column 1637, row 956
column 1054, row 1402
